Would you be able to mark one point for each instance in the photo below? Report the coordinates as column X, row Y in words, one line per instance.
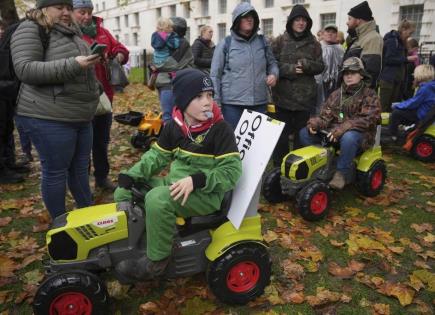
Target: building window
column 413, row 13
column 104, row 5
column 267, row 27
column 117, row 37
column 118, row 23
column 222, row 31
column 249, row 1
column 127, row 39
column 186, row 10
column 204, row 7
column 96, row 8
column 298, row 1
column 268, row 3
column 173, row 10
column 222, row 6
column 187, row 36
column 158, row 12
column 135, row 39
column 126, row 20
column 327, row 18
column 136, row 19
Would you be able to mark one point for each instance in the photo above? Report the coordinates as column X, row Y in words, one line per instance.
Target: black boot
column 142, row 268
column 10, row 177
column 105, row 184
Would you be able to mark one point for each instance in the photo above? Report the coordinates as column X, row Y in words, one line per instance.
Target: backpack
column 227, row 46
column 9, row 82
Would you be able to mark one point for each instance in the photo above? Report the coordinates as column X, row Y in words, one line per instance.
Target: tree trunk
column 8, row 11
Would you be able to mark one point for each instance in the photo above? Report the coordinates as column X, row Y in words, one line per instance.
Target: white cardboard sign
column 256, row 137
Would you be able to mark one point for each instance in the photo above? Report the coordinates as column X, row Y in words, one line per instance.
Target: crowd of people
column 316, row 83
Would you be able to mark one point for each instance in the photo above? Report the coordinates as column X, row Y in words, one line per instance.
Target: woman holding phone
column 94, row 32
column 57, row 99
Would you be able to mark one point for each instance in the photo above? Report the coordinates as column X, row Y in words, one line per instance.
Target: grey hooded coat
column 240, row 77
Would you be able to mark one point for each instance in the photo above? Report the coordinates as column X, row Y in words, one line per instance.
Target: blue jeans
column 64, row 149
column 232, row 113
column 101, row 130
column 166, row 103
column 350, row 146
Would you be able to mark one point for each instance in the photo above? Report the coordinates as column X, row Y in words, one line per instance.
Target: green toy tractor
column 306, row 172
column 86, row 242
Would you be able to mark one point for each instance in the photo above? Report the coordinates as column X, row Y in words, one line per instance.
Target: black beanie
column 361, row 11
column 47, row 3
column 187, row 84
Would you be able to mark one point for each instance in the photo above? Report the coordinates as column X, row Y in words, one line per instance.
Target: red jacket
column 113, row 48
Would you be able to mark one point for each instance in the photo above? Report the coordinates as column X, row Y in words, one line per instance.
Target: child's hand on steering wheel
column 182, row 187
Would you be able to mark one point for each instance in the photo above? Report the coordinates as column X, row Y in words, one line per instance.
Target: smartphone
column 97, row 48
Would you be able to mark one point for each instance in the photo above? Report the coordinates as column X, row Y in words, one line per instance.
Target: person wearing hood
column 180, row 58
column 200, row 149
column 350, row 115
column 364, row 41
column 243, row 67
column 392, row 81
column 299, row 57
column 203, row 48
column 93, row 31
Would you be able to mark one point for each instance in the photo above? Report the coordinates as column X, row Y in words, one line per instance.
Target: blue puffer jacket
column 423, row 101
column 243, row 80
column 393, row 58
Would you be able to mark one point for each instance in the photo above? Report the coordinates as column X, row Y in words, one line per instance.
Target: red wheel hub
column 319, row 202
column 377, row 179
column 243, row 276
column 71, row 303
column 424, row 149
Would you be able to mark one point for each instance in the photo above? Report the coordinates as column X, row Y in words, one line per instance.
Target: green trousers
column 389, row 93
column 162, row 211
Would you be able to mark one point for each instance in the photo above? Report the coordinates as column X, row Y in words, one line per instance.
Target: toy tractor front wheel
column 240, row 274
column 71, row 292
column 370, row 183
column 313, row 201
column 142, row 141
column 424, row 149
column 272, row 186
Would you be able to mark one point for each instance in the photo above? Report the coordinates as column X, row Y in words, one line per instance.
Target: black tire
column 372, row 182
column 313, row 201
column 240, row 274
column 79, row 290
column 424, row 148
column 272, row 186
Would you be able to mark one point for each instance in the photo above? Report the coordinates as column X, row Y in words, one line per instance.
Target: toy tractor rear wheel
column 73, row 292
column 424, row 149
column 313, row 201
column 240, row 274
column 272, row 186
column 370, row 183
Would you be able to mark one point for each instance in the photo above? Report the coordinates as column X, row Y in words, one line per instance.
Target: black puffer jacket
column 202, row 51
column 297, row 92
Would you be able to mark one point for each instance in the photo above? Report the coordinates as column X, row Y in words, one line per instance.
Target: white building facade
column 133, row 21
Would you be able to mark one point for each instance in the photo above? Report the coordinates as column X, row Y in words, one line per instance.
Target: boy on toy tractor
column 351, row 115
column 204, row 164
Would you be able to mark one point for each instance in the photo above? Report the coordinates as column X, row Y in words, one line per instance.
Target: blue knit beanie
column 79, row 4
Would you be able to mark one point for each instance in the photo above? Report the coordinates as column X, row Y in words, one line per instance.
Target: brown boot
column 338, row 181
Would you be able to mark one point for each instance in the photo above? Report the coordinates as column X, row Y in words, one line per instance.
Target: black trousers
column 294, row 121
column 100, row 160
column 402, row 117
column 7, row 146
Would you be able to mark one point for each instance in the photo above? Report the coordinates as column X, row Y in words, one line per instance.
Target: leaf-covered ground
column 370, row 256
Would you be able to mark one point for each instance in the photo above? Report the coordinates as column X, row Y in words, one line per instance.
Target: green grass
column 413, row 205
column 136, row 75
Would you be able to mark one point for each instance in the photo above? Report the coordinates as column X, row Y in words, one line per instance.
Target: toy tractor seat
column 197, row 223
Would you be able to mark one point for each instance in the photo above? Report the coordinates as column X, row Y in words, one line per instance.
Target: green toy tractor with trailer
column 306, row 172
column 86, row 242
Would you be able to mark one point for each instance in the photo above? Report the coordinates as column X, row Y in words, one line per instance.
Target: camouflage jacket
column 352, row 108
column 297, row 92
